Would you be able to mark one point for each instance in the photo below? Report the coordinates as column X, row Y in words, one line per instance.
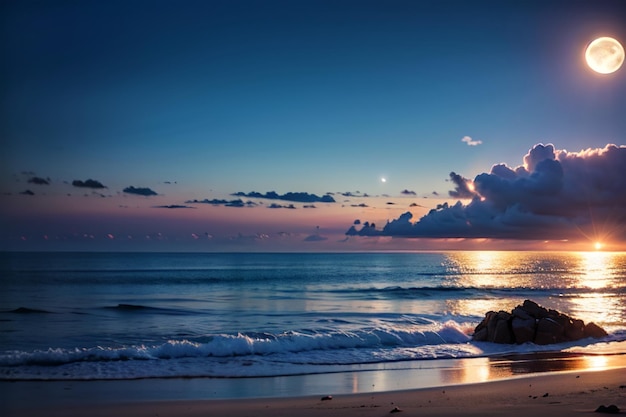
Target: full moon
column 604, row 55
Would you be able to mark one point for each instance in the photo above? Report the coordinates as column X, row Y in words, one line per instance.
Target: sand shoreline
column 557, row 394
column 575, row 391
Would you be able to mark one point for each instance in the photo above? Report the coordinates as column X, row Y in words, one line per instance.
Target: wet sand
column 563, row 393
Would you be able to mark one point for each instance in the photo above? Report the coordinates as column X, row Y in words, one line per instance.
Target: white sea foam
column 272, row 355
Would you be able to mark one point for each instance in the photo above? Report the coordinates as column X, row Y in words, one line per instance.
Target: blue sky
column 200, row 100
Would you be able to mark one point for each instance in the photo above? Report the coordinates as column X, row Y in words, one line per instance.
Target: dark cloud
column 363, row 205
column 175, row 206
column 354, row 194
column 39, row 181
column 368, row 229
column 88, row 184
column 309, row 206
column 225, row 203
column 415, row 205
column 139, row 191
column 296, row 197
column 408, row 192
column 278, row 206
column 27, row 192
column 462, row 187
column 315, row 238
column 554, row 195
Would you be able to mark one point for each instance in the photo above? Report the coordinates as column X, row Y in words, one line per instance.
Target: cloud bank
column 297, row 197
column 88, row 184
column 226, row 203
column 554, row 195
column 140, row 191
column 39, row 181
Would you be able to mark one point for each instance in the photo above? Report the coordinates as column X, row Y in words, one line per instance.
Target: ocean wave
column 26, row 310
column 243, row 344
column 475, row 292
column 137, row 308
column 267, row 354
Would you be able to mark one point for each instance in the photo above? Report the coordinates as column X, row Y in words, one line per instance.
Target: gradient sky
column 199, row 100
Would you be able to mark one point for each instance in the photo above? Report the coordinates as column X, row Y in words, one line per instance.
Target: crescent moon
column 604, row 55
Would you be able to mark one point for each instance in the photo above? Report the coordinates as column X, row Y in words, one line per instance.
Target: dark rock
column 575, row 330
column 503, row 333
column 521, row 313
column 481, row 335
column 534, row 309
column 523, row 329
column 548, row 331
column 593, row 330
column 327, row 398
column 530, row 322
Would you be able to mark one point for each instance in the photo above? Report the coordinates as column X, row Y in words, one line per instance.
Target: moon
column 605, row 55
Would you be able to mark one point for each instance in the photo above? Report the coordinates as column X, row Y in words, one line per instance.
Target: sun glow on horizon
column 598, row 245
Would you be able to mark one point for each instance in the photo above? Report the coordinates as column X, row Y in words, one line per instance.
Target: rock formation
column 530, row 322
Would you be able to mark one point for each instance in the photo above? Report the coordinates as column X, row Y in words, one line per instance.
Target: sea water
column 86, row 316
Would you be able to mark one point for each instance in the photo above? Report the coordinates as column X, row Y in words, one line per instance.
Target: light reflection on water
column 486, row 369
column 587, row 285
column 420, row 374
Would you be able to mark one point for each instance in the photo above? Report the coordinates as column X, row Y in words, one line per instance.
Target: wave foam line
column 225, row 345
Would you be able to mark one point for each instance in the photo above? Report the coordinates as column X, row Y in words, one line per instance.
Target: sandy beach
column 555, row 394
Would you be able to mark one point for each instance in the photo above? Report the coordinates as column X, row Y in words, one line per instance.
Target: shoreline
column 495, row 384
column 557, row 394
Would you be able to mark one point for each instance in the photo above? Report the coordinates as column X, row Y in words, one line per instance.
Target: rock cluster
column 530, row 322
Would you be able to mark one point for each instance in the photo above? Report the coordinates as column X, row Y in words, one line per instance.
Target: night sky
column 282, row 125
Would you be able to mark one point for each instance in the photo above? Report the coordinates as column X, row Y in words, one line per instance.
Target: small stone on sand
column 611, row 409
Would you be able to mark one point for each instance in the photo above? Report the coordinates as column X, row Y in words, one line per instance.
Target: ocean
column 123, row 316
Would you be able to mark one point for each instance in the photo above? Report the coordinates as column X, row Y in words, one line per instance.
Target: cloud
column 296, row 197
column 463, row 187
column 470, row 141
column 354, row 194
column 554, row 195
column 408, row 192
column 368, row 229
column 277, row 206
column 88, row 184
column 315, row 238
column 226, row 203
column 175, row 206
column 27, row 192
column 139, row 191
column 240, row 237
column 39, row 181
